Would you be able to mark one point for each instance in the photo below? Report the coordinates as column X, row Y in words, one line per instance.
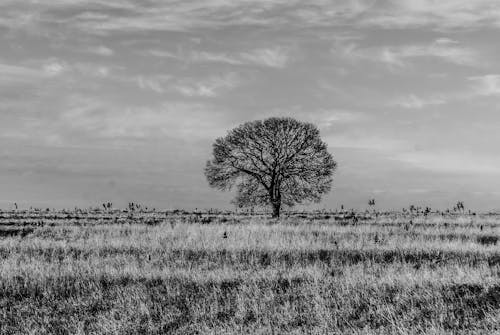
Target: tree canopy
column 274, row 162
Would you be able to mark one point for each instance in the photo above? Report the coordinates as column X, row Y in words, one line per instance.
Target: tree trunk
column 276, row 209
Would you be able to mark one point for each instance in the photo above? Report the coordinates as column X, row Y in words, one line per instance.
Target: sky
column 121, row 100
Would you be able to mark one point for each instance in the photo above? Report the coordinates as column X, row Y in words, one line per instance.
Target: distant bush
column 487, row 239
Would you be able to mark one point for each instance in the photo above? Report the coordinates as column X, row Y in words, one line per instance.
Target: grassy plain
column 113, row 272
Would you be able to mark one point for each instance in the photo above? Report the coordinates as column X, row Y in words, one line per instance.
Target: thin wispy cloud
column 185, row 16
column 443, row 49
column 107, row 120
column 106, row 17
column 456, row 163
column 191, row 87
column 487, row 85
column 209, row 57
column 369, row 143
column 438, row 15
column 92, row 70
column 412, row 101
column 323, row 118
column 274, row 57
column 13, row 73
column 161, row 53
column 209, row 87
column 54, row 67
column 478, row 87
column 101, row 51
column 49, row 69
column 154, row 83
column 329, row 118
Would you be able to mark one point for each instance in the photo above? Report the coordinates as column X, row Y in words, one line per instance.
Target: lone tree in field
column 275, row 162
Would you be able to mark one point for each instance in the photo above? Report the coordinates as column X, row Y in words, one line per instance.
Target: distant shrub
column 11, row 232
column 487, row 239
column 207, row 219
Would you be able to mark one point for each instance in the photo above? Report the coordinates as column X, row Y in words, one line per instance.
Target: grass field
column 113, row 272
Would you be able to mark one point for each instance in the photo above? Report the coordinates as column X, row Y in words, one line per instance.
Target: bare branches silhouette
column 274, row 162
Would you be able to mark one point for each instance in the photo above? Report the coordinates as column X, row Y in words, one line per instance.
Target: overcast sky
column 121, row 100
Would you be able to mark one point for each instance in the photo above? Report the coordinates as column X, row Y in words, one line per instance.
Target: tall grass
column 248, row 275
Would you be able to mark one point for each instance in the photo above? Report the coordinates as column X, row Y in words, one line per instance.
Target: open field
column 117, row 272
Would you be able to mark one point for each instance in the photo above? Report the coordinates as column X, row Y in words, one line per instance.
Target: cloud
column 371, row 143
column 487, row 85
column 31, row 72
column 482, row 86
column 414, row 102
column 323, row 118
column 104, row 17
column 330, row 118
column 451, row 162
column 91, row 69
column 15, row 73
column 108, row 120
column 101, row 51
column 54, row 68
column 155, row 83
column 328, row 13
column 209, row 57
column 438, row 15
column 272, row 57
column 162, row 54
column 445, row 49
column 208, row 87
column 161, row 73
column 109, row 17
column 88, row 120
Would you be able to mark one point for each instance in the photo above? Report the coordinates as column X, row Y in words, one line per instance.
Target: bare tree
column 274, row 162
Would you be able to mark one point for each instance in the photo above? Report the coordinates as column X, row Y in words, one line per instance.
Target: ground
column 144, row 272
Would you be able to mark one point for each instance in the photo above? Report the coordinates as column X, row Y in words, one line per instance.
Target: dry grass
column 97, row 273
